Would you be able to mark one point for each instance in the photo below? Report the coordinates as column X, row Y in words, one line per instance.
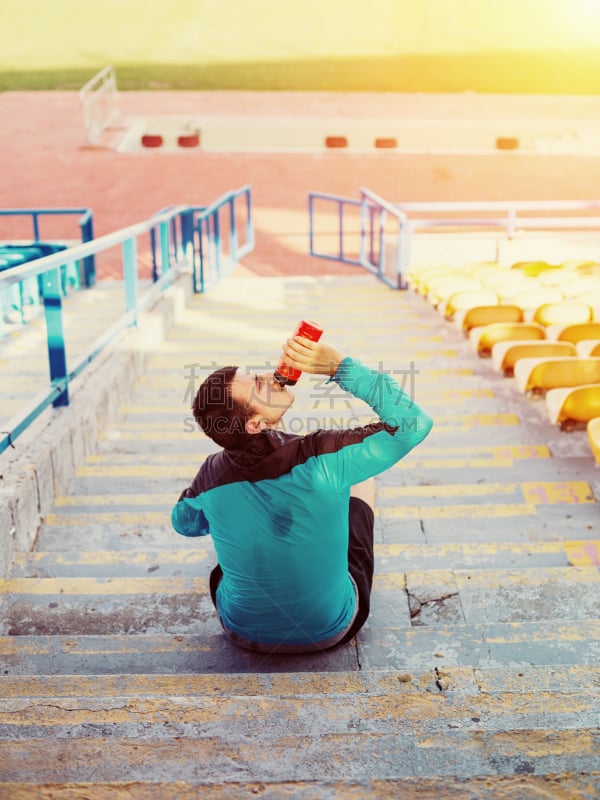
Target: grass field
column 335, row 45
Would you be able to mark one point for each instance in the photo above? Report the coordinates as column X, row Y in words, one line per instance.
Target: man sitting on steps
column 292, row 516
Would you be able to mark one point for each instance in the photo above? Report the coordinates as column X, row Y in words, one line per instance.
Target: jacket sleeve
column 187, row 516
column 370, row 450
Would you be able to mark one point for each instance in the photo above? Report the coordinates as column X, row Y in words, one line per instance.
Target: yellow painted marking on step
column 502, row 451
column 138, row 471
column 483, row 511
column 584, row 630
column 11, row 645
column 119, row 458
column 115, row 500
column 445, row 372
column 176, row 423
column 452, row 395
column 424, row 355
column 476, row 420
column 436, row 338
column 116, row 518
column 379, row 708
column 389, row 581
column 507, row 579
column 551, row 492
column 533, row 493
column 131, row 557
column 410, row 463
column 584, row 553
column 467, row 550
column 449, row 490
column 303, row 684
column 103, row 586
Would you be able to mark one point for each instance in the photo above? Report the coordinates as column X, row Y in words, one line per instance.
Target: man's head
column 231, row 405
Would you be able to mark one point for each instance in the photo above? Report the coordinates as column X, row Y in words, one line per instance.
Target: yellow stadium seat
column 533, row 268
column 479, row 269
column 579, row 285
column 505, row 281
column 484, row 315
column 573, row 264
column 531, row 298
column 506, row 354
column 573, row 407
column 589, row 296
column 565, row 312
column 593, row 432
column 442, row 288
column 591, row 268
column 422, row 277
column 484, row 338
column 588, row 347
column 578, row 332
column 538, row 375
column 469, row 298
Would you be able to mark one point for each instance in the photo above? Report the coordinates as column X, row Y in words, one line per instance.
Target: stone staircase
column 478, row 673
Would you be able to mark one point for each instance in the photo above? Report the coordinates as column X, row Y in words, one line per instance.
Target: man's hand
column 316, row 358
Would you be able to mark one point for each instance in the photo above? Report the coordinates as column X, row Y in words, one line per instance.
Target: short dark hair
column 221, row 417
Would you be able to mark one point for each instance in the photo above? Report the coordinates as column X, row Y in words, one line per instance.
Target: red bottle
column 288, row 375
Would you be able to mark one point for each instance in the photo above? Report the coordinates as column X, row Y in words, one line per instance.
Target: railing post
column 165, row 252
column 155, row 275
column 311, row 250
column 129, row 247
column 199, row 279
column 89, row 262
column 36, row 226
column 217, row 241
column 57, row 357
column 381, row 259
column 187, row 238
column 232, row 229
column 362, row 256
column 249, row 223
column 340, row 210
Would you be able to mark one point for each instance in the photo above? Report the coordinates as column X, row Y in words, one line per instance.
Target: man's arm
column 371, row 449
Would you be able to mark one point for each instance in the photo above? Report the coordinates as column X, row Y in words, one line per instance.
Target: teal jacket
column 278, row 515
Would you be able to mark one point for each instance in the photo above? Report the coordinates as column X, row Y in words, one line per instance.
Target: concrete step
column 570, row 786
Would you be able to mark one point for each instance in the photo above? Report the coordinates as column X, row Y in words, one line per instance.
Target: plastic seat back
column 469, row 298
column 530, row 298
column 572, row 407
column 485, row 338
column 593, row 432
column 506, row 354
column 538, row 375
column 587, row 347
column 485, row 315
column 579, row 331
column 565, row 312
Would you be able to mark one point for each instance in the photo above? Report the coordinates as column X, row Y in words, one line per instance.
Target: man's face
column 263, row 395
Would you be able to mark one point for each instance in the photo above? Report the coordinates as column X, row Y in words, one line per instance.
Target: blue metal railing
column 85, row 222
column 173, row 254
column 386, row 252
column 214, row 233
column 376, row 214
column 220, row 246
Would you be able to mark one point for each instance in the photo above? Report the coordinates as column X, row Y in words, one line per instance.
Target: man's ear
column 254, row 424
